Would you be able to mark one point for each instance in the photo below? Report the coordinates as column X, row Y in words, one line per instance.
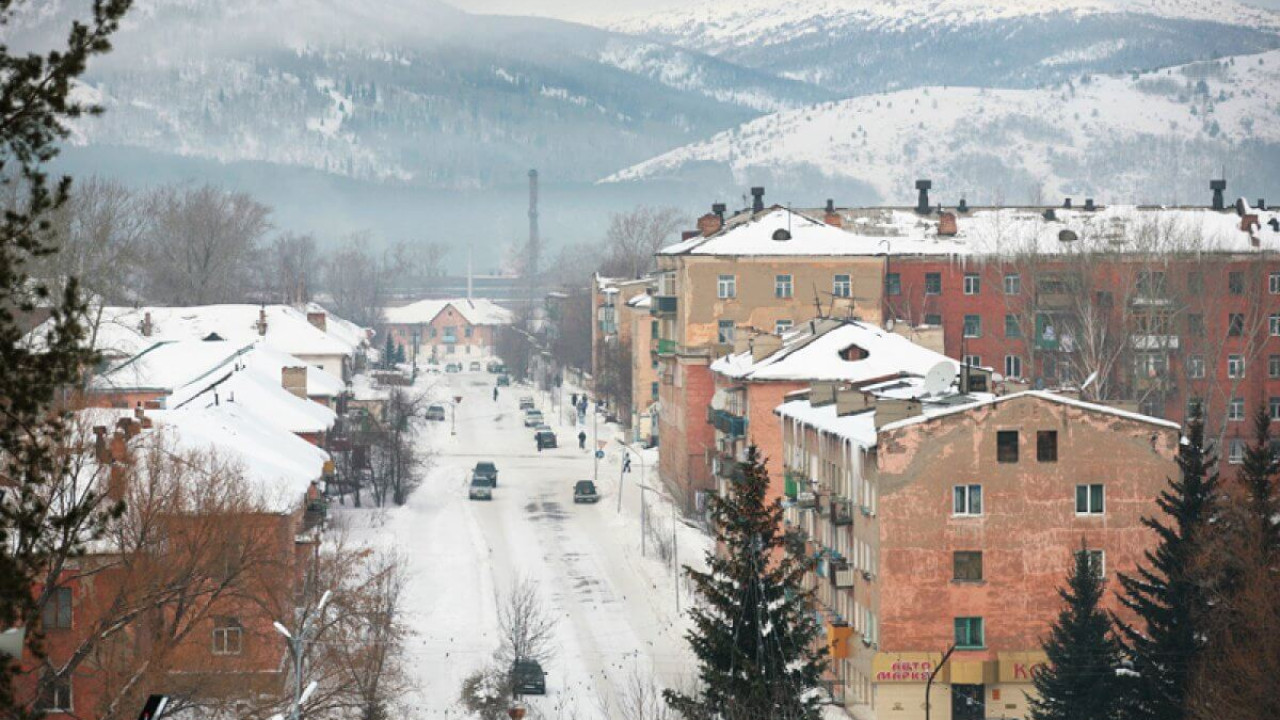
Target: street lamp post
column 298, row 648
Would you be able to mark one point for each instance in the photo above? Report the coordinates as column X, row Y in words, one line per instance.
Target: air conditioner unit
column 866, row 575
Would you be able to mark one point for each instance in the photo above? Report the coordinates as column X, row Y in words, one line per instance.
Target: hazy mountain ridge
column 1154, row 137
column 860, row 46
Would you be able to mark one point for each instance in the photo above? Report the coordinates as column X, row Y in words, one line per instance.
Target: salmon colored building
column 941, row 519
column 435, row 330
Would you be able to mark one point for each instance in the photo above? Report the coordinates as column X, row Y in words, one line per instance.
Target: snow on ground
column 616, row 608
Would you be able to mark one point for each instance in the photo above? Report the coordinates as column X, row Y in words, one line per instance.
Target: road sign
column 599, row 454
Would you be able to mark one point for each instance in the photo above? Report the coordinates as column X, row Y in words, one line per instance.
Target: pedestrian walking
column 573, row 399
column 626, row 463
column 495, row 394
column 582, row 440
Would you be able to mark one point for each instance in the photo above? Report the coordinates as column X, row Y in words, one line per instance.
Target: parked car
column 500, row 369
column 532, row 418
column 528, row 677
column 545, row 439
column 584, row 491
column 492, row 367
column 481, row 488
column 435, row 413
column 453, row 368
column 475, row 366
column 526, row 403
column 504, row 381
column 486, row 469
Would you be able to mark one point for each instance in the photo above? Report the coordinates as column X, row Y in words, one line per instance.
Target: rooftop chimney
column 1275, row 224
column 947, row 225
column 318, row 319
column 1262, row 203
column 963, row 206
column 262, row 321
column 146, row 324
column 1088, row 205
column 294, row 379
column 757, row 199
column 922, row 204
column 709, row 224
column 833, row 218
column 719, row 209
column 1218, row 187
column 1050, row 215
column 1066, row 204
column 1241, row 207
column 100, row 444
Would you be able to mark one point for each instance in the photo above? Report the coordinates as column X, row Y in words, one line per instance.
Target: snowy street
column 616, row 609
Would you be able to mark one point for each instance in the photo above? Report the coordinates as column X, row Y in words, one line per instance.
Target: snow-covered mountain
column 858, row 46
column 409, row 91
column 1153, row 137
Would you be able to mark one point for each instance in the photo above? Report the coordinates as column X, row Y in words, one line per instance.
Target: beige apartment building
column 763, row 271
column 644, row 369
column 616, row 342
column 941, row 518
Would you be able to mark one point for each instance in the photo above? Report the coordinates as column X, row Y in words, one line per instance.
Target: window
column 1273, row 408
column 1235, row 282
column 969, row 633
column 967, row 566
column 1195, row 407
column 1273, row 325
column 1195, row 325
column 972, row 326
column 653, row 391
column 932, row 319
column 1235, row 324
column 228, row 636
column 893, row 284
column 1235, row 452
column 1012, row 284
column 1012, row 366
column 782, row 326
column 1235, row 409
column 724, row 332
column 1047, row 446
column 1150, row 284
column 1195, row 367
column 972, row 360
column 1097, row 560
column 1273, row 366
column 727, row 287
column 468, row 329
column 841, row 286
column 972, row 284
column 782, row 286
column 1195, row 283
column 1151, row 407
column 57, row 612
column 1090, row 499
column 1012, row 329
column 967, row 500
column 1273, row 283
column 1235, row 366
column 653, row 329
column 1007, row 446
column 56, row 697
column 1150, row 365
column 933, row 283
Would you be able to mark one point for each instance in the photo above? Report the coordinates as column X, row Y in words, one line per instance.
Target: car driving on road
column 528, row 678
column 533, row 418
column 481, row 488
column 486, row 469
column 545, row 439
column 475, row 366
column 526, row 403
column 435, row 413
column 584, row 491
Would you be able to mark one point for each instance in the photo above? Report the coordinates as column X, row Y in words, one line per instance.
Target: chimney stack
column 709, row 224
column 718, row 209
column 1050, row 215
column 1262, row 203
column 1241, row 207
column 947, row 225
column 1089, row 206
column 922, row 204
column 1275, row 224
column 318, row 319
column 963, row 206
column 1218, row 187
column 757, row 199
column 262, row 321
column 833, row 218
column 294, row 379
column 146, row 324
column 1066, row 204
column 100, row 450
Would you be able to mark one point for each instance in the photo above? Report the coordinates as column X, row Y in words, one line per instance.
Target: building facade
column 435, row 330
column 953, row 521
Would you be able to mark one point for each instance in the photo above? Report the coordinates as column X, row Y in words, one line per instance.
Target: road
column 616, row 609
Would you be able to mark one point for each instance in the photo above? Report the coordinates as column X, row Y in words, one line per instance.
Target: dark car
column 584, row 491
column 481, row 488
column 486, row 470
column 504, row 381
column 526, row 403
column 436, row 413
column 527, row 678
column 545, row 439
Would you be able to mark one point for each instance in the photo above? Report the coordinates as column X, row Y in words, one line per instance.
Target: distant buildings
column 431, row 329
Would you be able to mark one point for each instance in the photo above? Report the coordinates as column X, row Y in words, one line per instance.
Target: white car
column 533, row 418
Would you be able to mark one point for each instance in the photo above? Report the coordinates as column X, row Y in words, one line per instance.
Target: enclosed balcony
column 730, row 425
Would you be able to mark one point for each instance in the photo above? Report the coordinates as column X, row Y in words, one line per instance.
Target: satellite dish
column 781, row 234
column 1089, row 380
column 1067, row 236
column 939, row 378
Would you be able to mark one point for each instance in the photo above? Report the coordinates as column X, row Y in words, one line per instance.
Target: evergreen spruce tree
column 389, row 353
column 754, row 632
column 39, row 530
column 1167, row 594
column 1080, row 681
column 400, row 357
column 1258, row 475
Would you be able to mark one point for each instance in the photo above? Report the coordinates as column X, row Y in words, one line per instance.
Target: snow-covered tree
column 753, row 633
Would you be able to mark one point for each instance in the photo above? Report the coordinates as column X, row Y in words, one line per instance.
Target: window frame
column 1002, row 449
column 1014, row 280
column 842, row 288
column 893, row 283
column 51, row 702
column 933, row 283
column 1235, row 451
column 969, row 623
column 971, row 360
column 224, row 629
column 778, row 326
column 1100, row 567
column 929, row 316
column 1009, row 362
column 971, row 559
column 1235, row 324
column 1273, row 283
column 1089, row 497
column 723, row 337
column 727, row 287
column 1195, row 367
column 972, row 284
column 60, row 609
column 965, row 498
column 1235, row 282
column 783, row 289
column 1236, row 409
column 1273, row 366
column 1011, row 322
column 973, row 330
column 1047, row 446
column 1235, row 366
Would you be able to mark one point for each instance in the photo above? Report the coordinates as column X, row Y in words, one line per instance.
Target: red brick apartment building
column 1151, row 309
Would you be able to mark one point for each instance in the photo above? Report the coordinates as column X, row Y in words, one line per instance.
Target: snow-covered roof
column 255, row 390
column 858, row 427
column 812, row 352
column 341, row 329
column 992, row 232
column 119, row 330
column 476, row 312
column 1042, row 395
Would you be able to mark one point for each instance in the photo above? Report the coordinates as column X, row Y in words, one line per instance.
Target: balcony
column 729, row 424
column 666, row 347
column 663, row 305
column 1153, row 342
column 842, row 574
column 791, row 484
column 841, row 512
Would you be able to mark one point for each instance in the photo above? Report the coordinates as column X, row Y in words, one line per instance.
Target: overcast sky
column 582, row 10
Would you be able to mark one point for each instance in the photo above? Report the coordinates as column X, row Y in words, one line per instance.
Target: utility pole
column 595, row 440
column 298, row 649
column 928, row 687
